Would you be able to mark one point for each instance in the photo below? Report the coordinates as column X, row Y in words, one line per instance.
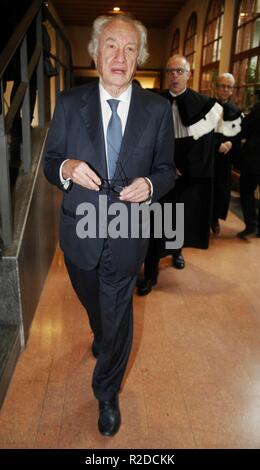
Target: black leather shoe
column 245, row 234
column 109, row 417
column 145, row 286
column 95, row 348
column 178, row 262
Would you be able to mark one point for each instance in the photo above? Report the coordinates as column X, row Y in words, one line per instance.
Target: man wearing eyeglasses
column 227, row 146
column 109, row 138
column 195, row 117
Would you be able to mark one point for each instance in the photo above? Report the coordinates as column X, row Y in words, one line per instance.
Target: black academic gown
column 194, row 158
column 228, row 129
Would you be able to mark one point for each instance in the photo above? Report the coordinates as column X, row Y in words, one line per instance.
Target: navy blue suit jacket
column 147, row 150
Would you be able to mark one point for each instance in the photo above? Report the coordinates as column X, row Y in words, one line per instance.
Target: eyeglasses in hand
column 115, row 185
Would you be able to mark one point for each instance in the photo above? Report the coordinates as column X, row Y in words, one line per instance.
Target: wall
column 79, row 38
column 26, row 261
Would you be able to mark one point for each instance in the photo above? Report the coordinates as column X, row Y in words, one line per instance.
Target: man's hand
column 138, row 191
column 80, row 173
column 225, row 147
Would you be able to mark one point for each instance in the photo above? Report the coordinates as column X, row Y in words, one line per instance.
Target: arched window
column 175, row 42
column 212, row 41
column 246, row 62
column 189, row 49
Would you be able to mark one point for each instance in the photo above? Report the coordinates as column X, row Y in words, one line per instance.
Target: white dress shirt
column 180, row 130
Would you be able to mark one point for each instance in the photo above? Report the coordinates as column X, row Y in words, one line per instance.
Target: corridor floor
column 193, row 379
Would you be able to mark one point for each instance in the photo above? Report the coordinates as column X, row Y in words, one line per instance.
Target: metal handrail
column 17, row 37
column 21, row 99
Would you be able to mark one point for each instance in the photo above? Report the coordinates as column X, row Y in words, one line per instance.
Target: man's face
column 116, row 59
column 224, row 88
column 177, row 74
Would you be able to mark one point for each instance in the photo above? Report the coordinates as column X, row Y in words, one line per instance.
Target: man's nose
column 121, row 55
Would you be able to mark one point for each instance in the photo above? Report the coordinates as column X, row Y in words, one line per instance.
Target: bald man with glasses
column 195, row 117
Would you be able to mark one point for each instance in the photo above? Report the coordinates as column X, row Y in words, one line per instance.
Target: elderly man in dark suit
column 109, row 139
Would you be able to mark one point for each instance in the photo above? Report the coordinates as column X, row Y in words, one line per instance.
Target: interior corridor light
column 116, row 9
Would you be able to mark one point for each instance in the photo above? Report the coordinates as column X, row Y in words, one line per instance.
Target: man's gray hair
column 102, row 21
column 226, row 75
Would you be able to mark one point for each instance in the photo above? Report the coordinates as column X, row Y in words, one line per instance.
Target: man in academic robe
column 227, row 147
column 195, row 118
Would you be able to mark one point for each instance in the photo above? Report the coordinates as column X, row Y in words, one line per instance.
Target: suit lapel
column 92, row 117
column 137, row 120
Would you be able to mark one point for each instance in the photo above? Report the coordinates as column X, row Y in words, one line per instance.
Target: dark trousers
column 222, row 187
column 152, row 259
column 154, row 253
column 108, row 297
column 248, row 185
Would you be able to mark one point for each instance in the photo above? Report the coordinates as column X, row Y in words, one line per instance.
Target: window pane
column 251, row 8
column 176, row 42
column 236, row 71
column 252, row 70
column 240, row 98
column 243, row 72
column 216, row 8
column 235, row 95
column 193, row 62
column 219, row 49
column 205, row 39
column 193, row 23
column 189, row 46
column 211, row 12
column 221, row 25
column 216, row 28
column 205, row 80
column 247, row 11
column 256, row 33
column 209, row 54
column 249, row 98
column 239, row 40
column 215, row 51
column 246, row 37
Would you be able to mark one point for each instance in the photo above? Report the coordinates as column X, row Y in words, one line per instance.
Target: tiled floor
column 193, row 379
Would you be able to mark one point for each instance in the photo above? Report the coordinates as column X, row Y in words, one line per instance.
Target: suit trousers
column 107, row 296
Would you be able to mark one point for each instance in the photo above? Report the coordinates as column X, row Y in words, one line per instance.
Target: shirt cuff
column 62, row 180
column 149, row 200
